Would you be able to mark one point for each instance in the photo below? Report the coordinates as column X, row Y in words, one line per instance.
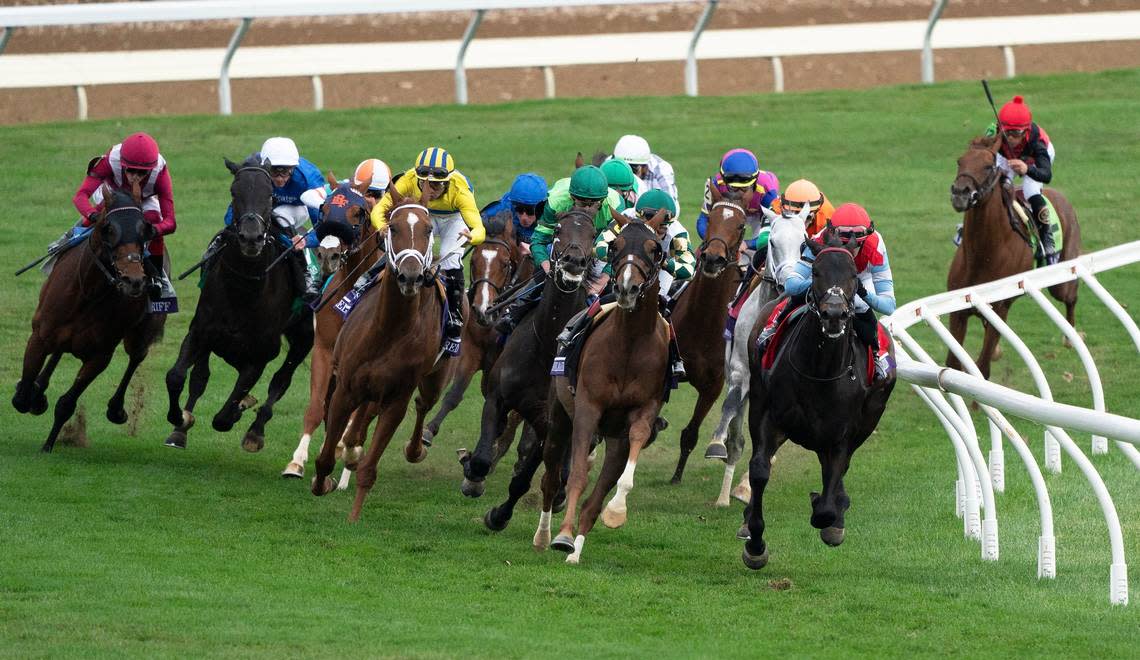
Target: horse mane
column 599, row 158
column 984, row 142
column 496, row 225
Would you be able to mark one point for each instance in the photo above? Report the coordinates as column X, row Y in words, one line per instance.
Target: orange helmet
column 850, row 222
column 374, row 172
column 800, row 192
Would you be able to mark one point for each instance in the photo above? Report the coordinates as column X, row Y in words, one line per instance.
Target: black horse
column 520, row 379
column 818, row 393
column 242, row 313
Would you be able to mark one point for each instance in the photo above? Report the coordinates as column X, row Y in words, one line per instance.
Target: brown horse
column 355, row 260
column 991, row 248
column 388, row 347
column 702, row 310
column 620, row 389
column 93, row 299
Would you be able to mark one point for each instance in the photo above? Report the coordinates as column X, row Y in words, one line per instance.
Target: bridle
column 833, row 294
column 636, row 261
column 512, row 263
column 250, row 215
column 728, row 249
column 424, row 258
column 112, row 273
column 982, row 188
column 557, row 255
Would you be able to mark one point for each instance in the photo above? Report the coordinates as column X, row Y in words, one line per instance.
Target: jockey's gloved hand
column 861, row 290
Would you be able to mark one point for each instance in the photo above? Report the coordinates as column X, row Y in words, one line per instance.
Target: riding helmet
column 1015, row 115
column 633, row 149
column 619, row 175
column 589, row 182
column 280, row 152
column 139, row 151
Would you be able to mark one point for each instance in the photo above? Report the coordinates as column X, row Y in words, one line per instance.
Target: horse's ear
column 769, row 214
column 331, row 178
column 619, row 218
column 579, row 161
column 658, row 220
column 231, row 166
column 804, row 213
column 714, row 192
column 599, row 158
column 147, row 233
column 815, row 245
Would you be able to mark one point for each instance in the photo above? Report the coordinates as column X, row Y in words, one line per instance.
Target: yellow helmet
column 434, row 164
column 800, row 192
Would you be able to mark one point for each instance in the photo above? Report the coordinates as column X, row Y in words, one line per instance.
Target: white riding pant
column 664, row 281
column 1029, row 186
column 295, row 216
column 447, row 229
column 149, row 203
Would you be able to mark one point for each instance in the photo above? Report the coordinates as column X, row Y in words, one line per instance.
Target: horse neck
column 985, row 225
column 555, row 309
column 640, row 322
column 818, row 355
column 705, row 301
column 87, row 278
column 395, row 312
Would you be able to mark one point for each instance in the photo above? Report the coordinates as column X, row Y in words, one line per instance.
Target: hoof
column 293, row 470
column 541, row 540
column 417, row 457
column 755, row 562
column 39, row 404
column 660, row 424
column 491, row 520
column 176, row 439
column 832, row 536
column 427, row 437
column 472, row 488
column 675, row 480
column 573, row 559
column 742, row 493
column 253, row 442
column 223, row 425
column 717, row 450
column 562, row 543
column 323, row 487
column 20, row 402
column 613, row 519
column 116, row 416
column 743, row 534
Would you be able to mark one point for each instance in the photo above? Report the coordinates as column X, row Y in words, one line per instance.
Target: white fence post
column 225, row 104
column 691, row 56
column 460, row 72
column 927, row 47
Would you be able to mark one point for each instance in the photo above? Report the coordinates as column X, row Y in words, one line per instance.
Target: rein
column 733, row 249
column 511, row 261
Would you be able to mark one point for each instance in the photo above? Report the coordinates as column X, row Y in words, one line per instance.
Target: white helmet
column 633, row 149
column 280, row 152
column 374, row 172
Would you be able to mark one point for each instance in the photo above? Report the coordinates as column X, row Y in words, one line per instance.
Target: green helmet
column 619, row 175
column 655, row 200
column 588, row 182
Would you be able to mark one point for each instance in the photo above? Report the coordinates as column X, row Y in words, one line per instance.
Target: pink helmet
column 139, row 151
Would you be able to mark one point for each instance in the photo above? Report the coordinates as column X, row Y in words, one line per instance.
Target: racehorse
column 357, row 255
column 620, row 389
column 995, row 244
column 520, row 379
column 496, row 265
column 785, row 241
column 92, row 300
column 242, row 313
column 818, row 392
column 388, row 346
column 701, row 312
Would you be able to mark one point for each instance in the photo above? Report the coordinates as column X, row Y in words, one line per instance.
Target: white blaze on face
column 627, row 275
column 483, row 295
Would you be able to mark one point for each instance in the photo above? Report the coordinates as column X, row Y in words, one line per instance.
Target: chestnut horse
column 991, row 248
column 92, row 300
column 388, row 346
column 817, row 393
column 620, row 390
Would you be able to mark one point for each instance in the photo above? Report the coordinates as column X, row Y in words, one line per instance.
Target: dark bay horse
column 991, row 248
column 496, row 264
column 520, row 379
column 620, row 390
column 359, row 255
column 701, row 312
column 388, row 347
column 241, row 315
column 92, row 300
column 818, row 393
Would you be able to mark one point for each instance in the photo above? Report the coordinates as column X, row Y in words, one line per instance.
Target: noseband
column 833, row 294
column 558, row 255
column 635, row 261
column 110, row 270
column 982, row 189
column 424, row 258
column 512, row 263
column 727, row 248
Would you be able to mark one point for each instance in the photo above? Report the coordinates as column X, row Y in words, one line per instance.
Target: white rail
column 942, row 390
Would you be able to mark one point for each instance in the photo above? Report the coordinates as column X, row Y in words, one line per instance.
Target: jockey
column 133, row 163
column 680, row 264
column 875, row 288
column 526, row 200
column 586, row 189
column 652, row 171
column 740, row 171
column 619, row 176
column 451, row 202
column 800, row 192
column 369, row 182
column 1027, row 152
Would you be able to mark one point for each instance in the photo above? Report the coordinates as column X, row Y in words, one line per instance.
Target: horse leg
column 137, row 347
column 530, row 456
column 689, row 436
column 430, row 387
column 507, row 438
column 755, row 554
column 65, row 406
column 320, row 369
column 300, row 338
column 617, row 449
column 959, row 322
column 188, row 353
column 27, row 396
column 833, row 464
column 640, row 428
column 477, row 466
column 339, row 409
column 386, row 424
column 735, row 448
column 454, row 395
column 231, row 411
column 729, row 410
column 586, row 416
column 39, row 399
column 553, row 449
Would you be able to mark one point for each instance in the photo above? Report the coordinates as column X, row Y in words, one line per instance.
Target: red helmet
column 851, row 222
column 1015, row 115
column 139, row 151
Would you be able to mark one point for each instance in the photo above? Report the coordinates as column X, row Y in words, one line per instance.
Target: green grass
column 127, row 547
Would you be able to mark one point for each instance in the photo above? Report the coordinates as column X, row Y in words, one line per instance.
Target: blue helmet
column 528, row 188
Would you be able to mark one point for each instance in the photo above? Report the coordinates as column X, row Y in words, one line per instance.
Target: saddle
column 745, row 291
column 1021, row 220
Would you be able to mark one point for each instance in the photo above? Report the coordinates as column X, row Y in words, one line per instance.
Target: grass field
column 129, row 548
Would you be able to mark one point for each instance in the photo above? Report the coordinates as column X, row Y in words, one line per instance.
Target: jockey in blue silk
column 526, row 201
column 739, row 172
column 298, row 186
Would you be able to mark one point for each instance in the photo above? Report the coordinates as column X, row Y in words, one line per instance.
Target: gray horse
column 785, row 240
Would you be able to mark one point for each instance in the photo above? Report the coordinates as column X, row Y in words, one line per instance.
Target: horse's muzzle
column 963, row 199
column 410, row 281
column 713, row 265
column 133, row 287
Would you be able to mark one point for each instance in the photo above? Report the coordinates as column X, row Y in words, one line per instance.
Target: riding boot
column 510, row 317
column 305, row 284
column 453, row 330
column 1044, row 229
column 866, row 328
column 770, row 330
column 159, row 283
column 580, row 321
column 676, row 364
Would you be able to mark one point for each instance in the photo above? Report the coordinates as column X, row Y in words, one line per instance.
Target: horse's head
column 833, row 283
column 118, row 239
column 786, row 236
column 637, row 256
column 338, row 238
column 725, row 231
column 408, row 244
column 978, row 173
column 494, row 266
column 572, row 249
column 252, row 194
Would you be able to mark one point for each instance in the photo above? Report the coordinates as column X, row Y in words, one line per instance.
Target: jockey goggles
column 281, row 170
column 647, row 214
column 848, row 235
column 137, row 171
column 528, row 209
column 432, row 173
column 739, row 180
column 1014, row 132
column 587, row 203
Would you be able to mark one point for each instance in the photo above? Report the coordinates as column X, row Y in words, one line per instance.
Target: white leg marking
column 743, row 492
column 345, row 475
column 542, row 536
column 615, row 512
column 726, row 485
column 576, row 556
column 301, row 455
